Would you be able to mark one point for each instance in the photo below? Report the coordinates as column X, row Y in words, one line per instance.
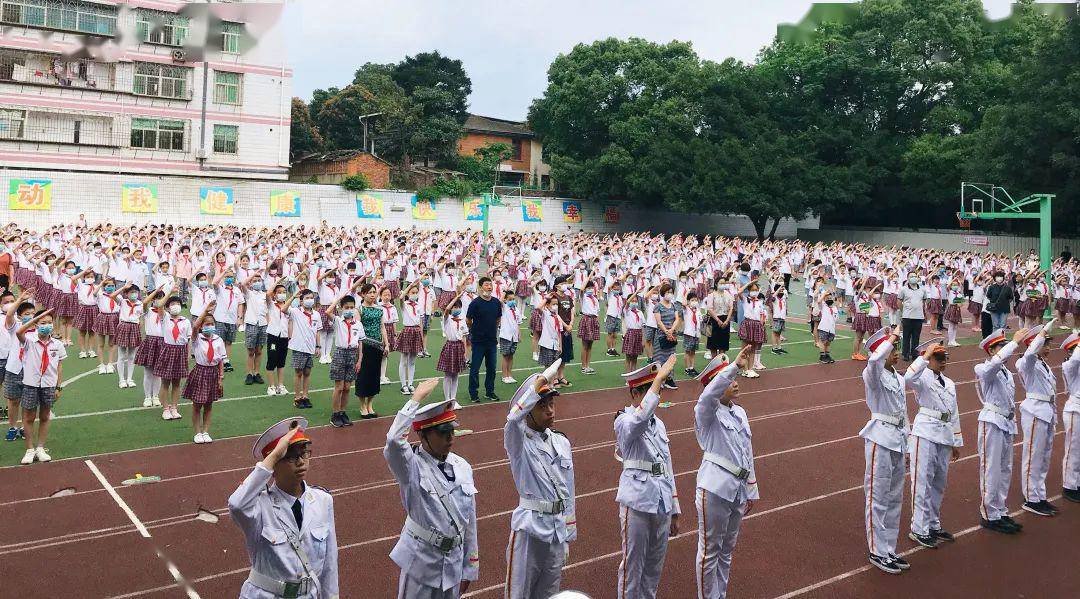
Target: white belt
column 737, row 471
column 431, row 536
column 1008, row 414
column 280, row 588
column 936, row 414
column 1075, row 397
column 896, row 421
column 654, row 468
column 1040, row 397
column 544, row 507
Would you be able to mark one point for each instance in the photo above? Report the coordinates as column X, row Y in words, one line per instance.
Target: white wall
column 938, row 238
column 98, row 197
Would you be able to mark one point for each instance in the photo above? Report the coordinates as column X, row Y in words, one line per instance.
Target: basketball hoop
column 965, row 223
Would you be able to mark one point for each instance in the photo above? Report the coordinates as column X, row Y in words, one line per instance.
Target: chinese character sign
column 571, row 212
column 284, row 203
column 611, row 214
column 369, row 206
column 30, row 194
column 138, row 197
column 473, row 208
column 532, row 211
column 216, row 200
column 423, row 209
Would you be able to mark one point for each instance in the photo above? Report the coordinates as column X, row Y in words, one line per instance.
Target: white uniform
column 278, row 551
column 647, row 495
column 725, row 481
column 997, row 426
column 544, row 522
column 884, row 444
column 1071, row 415
column 436, row 508
column 1038, row 416
column 936, row 432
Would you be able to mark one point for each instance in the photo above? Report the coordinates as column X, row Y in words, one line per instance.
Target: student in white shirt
column 826, row 329
column 509, row 334
column 256, row 308
column 108, row 318
column 348, row 334
column 17, row 312
column 691, row 333
column 86, row 292
column 205, row 382
column 633, row 321
column 589, row 326
column 42, row 376
column 411, row 340
column 779, row 309
column 229, row 312
column 304, row 324
column 277, row 337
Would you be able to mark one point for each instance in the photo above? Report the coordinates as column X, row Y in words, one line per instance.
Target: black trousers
column 912, row 328
column 987, row 324
column 787, row 281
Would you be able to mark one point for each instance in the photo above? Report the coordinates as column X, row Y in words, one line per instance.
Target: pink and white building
column 145, row 86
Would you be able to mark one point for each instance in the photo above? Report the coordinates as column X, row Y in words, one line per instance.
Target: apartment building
column 145, row 86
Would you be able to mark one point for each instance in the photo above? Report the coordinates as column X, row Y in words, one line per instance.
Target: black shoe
column 228, row 367
column 492, row 397
column 927, row 540
column 1038, row 508
column 885, row 564
column 670, row 384
column 249, row 380
column 258, row 379
column 823, row 359
column 1071, row 494
column 1013, row 523
column 942, row 536
column 335, row 420
column 829, row 359
column 782, row 350
column 998, row 526
column 468, row 363
column 776, row 351
column 298, row 403
column 687, row 372
column 694, row 373
column 1049, row 506
column 474, row 399
column 307, row 403
column 612, row 353
column 900, row 562
column 345, row 419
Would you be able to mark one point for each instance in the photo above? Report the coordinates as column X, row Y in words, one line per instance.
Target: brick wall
column 468, row 144
column 376, row 171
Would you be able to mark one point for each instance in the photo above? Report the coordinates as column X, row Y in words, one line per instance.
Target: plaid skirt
column 128, row 335
column 50, row 297
column 410, row 341
column 451, row 358
column 974, row 308
column 105, row 324
column 522, row 289
column 1031, row 308
column 343, row 364
column 67, row 305
column 892, row 301
column 327, row 322
column 395, row 289
column 171, row 363
column 149, row 352
column 548, row 356
column 752, row 332
column 536, row 320
column 1064, row 305
column 391, row 336
column 952, row 313
column 588, row 328
column 865, row 323
column 203, row 385
column 632, row 344
column 935, row 306
column 84, row 318
column 444, row 298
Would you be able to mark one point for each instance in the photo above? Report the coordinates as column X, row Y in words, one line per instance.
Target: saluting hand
column 282, row 446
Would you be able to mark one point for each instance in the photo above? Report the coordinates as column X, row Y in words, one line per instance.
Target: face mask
column 511, row 303
column 309, row 302
column 209, row 331
column 426, row 282
column 561, row 287
column 413, row 297
column 611, row 273
column 280, row 297
column 71, row 272
column 258, row 286
column 348, row 313
column 470, row 288
column 133, row 296
column 913, row 280
column 999, row 279
column 455, row 312
column 541, row 288
column 828, row 302
column 633, row 305
column 753, row 293
column 44, row 330
column 694, row 304
column 109, row 289
column 26, row 319
column 552, row 309
column 589, row 293
column 669, row 297
column 174, row 309
column 229, row 281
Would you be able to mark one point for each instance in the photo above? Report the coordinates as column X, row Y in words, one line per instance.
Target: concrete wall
column 944, row 239
column 98, row 196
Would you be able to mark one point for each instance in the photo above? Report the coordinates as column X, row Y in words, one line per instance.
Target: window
column 515, row 149
column 225, row 138
column 12, row 123
column 157, row 134
column 156, row 27
column 66, row 15
column 226, row 87
column 160, row 81
column 230, row 37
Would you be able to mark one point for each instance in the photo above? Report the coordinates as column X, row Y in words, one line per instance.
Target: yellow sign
column 284, row 203
column 30, row 194
column 139, row 197
column 423, row 209
column 216, row 200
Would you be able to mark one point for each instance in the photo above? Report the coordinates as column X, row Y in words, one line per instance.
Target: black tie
column 940, row 380
column 298, row 513
column 448, row 471
column 544, row 436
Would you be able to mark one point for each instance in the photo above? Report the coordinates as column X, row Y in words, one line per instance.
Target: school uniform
column 390, row 320
column 277, row 335
column 40, row 371
column 172, row 362
column 452, row 356
column 227, row 312
column 108, row 316
column 302, row 342
column 1038, row 418
column 613, row 313
column 752, row 327
column 510, row 330
column 87, row 307
column 256, row 316
column 150, row 349
column 935, row 432
column 551, row 337
column 589, row 324
column 411, row 339
column 1070, row 464
column 868, row 317
column 997, row 426
column 201, row 298
column 128, row 333
column 348, row 335
column 691, row 332
column 203, row 384
column 632, row 344
column 779, row 312
column 826, row 328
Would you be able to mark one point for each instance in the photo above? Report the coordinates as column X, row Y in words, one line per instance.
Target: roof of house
column 335, row 156
column 487, row 124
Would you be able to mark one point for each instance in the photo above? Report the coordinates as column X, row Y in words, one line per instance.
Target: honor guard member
column 884, row 445
column 437, row 552
column 1038, row 417
column 997, row 426
column 1071, row 414
column 726, row 481
column 937, row 441
column 650, row 503
column 544, row 523
column 288, row 524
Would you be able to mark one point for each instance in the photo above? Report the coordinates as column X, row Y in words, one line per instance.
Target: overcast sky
column 507, row 45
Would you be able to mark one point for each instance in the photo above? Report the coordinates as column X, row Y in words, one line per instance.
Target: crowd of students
column 172, row 299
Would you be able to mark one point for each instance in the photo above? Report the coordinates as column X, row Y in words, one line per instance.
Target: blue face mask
column 258, row 286
column 44, row 330
column 511, row 303
column 455, row 312
column 425, row 282
column 348, row 313
column 209, row 331
column 109, row 289
column 229, row 281
column 200, row 284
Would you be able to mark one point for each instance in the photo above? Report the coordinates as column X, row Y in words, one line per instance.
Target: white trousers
column 409, row 588
column 1070, row 464
column 644, row 545
column 995, row 469
column 1035, row 456
column 533, row 567
column 883, row 484
column 929, row 473
column 718, row 529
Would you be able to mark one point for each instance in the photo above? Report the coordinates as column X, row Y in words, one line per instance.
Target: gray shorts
column 254, row 336
column 427, row 323
column 3, row 371
column 612, row 325
column 227, row 331
column 507, row 347
column 302, row 360
column 38, row 397
column 778, row 325
column 650, row 334
column 689, row 343
column 825, row 336
column 13, row 387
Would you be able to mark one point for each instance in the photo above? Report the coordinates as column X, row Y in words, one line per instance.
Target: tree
column 304, row 136
column 438, row 90
column 478, row 174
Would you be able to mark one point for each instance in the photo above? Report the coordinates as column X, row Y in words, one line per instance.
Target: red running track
column 804, row 538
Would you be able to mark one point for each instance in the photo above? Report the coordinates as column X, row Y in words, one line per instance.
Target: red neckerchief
column 44, row 356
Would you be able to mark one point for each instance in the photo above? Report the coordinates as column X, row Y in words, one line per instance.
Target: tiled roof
column 486, row 124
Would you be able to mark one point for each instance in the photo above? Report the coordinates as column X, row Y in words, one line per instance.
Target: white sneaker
column 131, row 384
column 109, row 368
column 198, row 438
column 101, row 369
column 82, row 355
column 750, row 374
column 385, row 380
column 42, row 455
column 176, row 413
column 166, row 414
column 271, row 390
column 760, row 367
column 536, row 357
column 281, row 390
column 91, row 354
column 206, row 438
column 507, row 380
column 954, row 344
column 148, row 402
column 157, row 402
column 28, row 457
column 122, row 384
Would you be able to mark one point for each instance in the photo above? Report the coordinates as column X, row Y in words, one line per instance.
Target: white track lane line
column 169, row 565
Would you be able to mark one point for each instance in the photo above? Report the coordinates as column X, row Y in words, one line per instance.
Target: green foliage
column 478, row 174
column 356, row 183
column 304, row 137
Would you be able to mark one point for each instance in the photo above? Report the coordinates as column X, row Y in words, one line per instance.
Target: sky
column 507, row 45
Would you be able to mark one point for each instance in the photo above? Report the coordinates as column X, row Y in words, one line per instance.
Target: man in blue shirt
column 483, row 320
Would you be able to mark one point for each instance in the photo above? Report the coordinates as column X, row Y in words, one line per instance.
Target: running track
column 804, row 538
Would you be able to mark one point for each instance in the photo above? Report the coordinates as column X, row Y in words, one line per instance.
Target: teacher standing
column 912, row 298
column 483, row 321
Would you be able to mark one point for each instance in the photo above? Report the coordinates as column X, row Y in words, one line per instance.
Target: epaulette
column 560, row 433
column 323, row 489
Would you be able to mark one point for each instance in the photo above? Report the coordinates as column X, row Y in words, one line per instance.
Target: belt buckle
column 291, row 590
column 743, row 474
column 558, row 506
column 446, row 544
column 945, row 416
column 657, row 469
